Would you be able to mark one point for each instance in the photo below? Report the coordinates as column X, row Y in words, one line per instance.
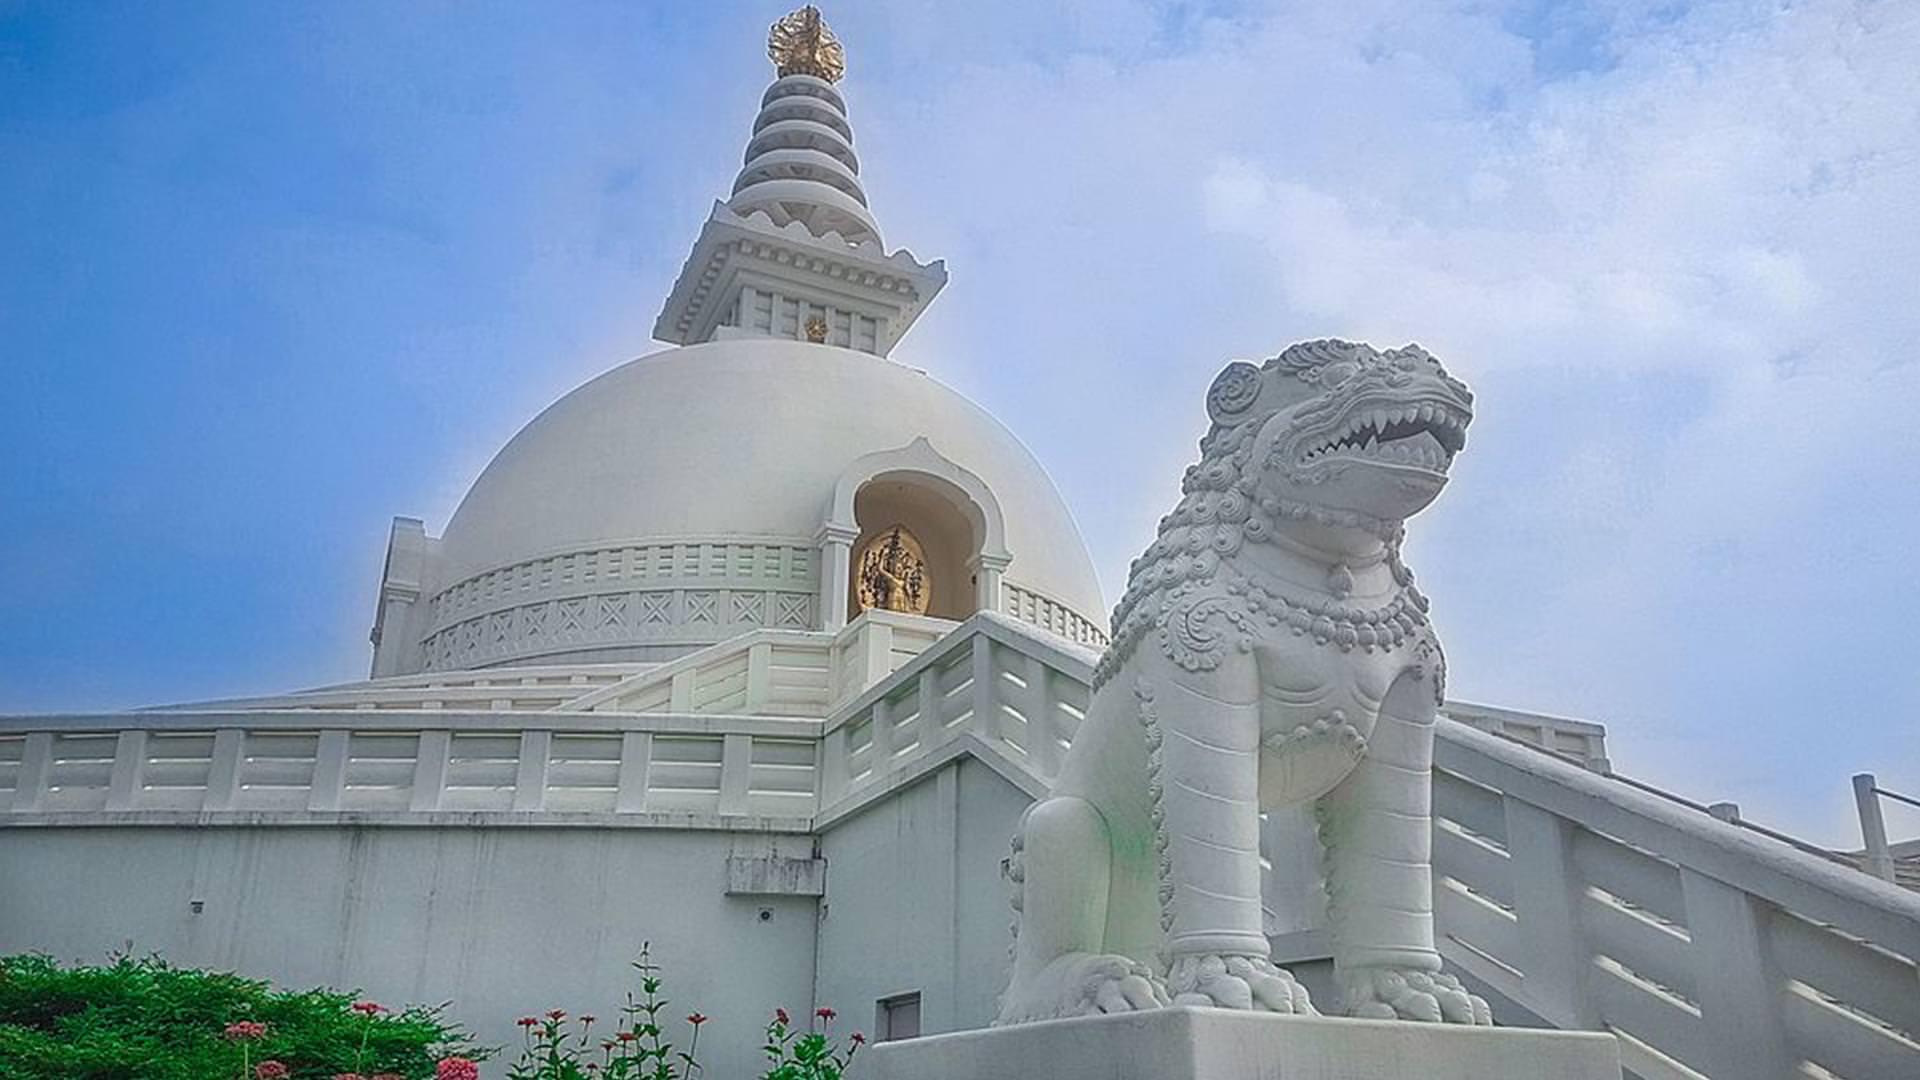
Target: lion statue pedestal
column 1181, row 1043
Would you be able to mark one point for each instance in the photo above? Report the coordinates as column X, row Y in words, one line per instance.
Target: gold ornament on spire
column 801, row 44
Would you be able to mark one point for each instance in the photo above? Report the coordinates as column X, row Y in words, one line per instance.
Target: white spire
column 800, row 164
column 794, row 252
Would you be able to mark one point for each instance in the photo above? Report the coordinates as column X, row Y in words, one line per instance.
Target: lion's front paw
column 1237, row 982
column 1404, row 994
column 1080, row 984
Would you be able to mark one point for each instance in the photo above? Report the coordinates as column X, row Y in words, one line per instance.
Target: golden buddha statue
column 890, row 573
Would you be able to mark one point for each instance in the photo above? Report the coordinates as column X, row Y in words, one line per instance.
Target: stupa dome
column 694, row 492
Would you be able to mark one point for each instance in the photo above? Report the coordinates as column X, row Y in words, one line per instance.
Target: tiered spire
column 795, row 252
column 800, row 164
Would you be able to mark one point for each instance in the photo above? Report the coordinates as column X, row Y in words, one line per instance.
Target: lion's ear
column 1234, row 392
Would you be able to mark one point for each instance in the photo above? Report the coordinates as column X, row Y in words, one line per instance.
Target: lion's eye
column 1337, row 373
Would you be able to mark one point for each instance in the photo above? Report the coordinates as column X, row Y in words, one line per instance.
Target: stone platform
column 1221, row 1044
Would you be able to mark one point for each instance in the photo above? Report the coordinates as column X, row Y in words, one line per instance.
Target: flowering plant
column 142, row 1018
column 635, row 1050
column 809, row 1054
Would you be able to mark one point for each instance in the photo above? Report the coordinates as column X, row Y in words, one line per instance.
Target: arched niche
column 948, row 509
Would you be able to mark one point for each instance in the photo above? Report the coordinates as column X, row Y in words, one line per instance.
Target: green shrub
column 144, row 1020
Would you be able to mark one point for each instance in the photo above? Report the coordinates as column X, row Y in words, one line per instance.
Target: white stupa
column 727, row 483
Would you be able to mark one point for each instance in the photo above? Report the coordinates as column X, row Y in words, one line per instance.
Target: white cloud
column 1700, row 251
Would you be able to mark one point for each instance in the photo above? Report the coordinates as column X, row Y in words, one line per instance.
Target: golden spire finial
column 801, row 44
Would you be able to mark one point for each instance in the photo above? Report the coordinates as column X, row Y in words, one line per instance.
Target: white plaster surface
column 1220, row 1044
column 915, row 903
column 502, row 923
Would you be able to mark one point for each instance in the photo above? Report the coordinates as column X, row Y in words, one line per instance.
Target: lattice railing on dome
column 1051, row 615
column 688, row 591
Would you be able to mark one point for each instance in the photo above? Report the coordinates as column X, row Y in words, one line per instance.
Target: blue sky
column 271, row 274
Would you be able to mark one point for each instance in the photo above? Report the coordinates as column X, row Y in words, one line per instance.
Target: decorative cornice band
column 756, row 563
column 614, row 619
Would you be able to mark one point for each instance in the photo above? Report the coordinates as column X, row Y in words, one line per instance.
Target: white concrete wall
column 502, row 922
column 916, row 902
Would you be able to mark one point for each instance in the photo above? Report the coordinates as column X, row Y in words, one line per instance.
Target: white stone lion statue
column 1271, row 650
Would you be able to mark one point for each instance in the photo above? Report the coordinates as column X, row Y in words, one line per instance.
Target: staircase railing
column 1711, row 949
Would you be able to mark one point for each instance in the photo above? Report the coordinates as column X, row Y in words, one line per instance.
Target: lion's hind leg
column 1064, row 880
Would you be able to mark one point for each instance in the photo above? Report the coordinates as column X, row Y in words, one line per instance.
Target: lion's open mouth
column 1424, row 434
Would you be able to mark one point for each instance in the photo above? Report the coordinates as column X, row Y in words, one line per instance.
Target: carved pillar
column 988, row 571
column 836, row 570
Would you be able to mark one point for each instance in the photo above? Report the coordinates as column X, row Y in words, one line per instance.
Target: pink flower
column 780, row 1016
column 696, row 1019
column 825, row 1013
column 859, row 1039
column 588, row 1018
column 272, row 1070
column 386, row 1076
column 369, row 1008
column 526, row 1021
column 348, row 1076
column 456, row 1068
column 557, row 1015
column 628, row 1036
column 246, row 1029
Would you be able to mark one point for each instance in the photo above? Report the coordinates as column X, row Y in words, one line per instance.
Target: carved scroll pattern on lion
column 1271, row 651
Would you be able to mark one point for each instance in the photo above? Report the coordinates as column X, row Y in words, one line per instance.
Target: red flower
column 557, row 1014
column 456, row 1068
column 780, row 1016
column 859, row 1039
column 627, row 1036
column 272, row 1070
column 825, row 1013
column 369, row 1008
column 246, row 1029
column 696, row 1019
column 526, row 1021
